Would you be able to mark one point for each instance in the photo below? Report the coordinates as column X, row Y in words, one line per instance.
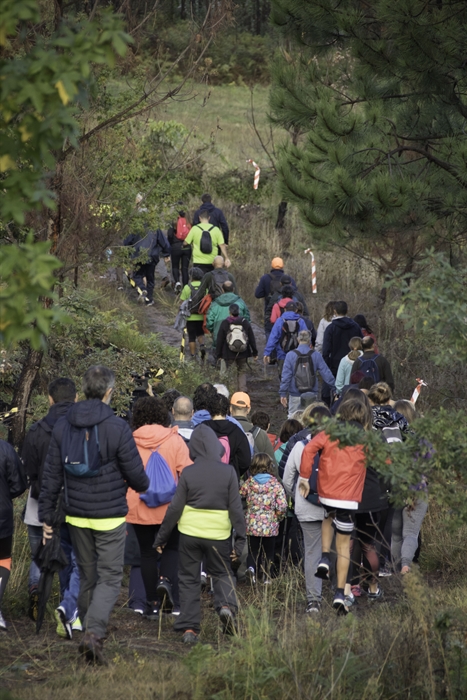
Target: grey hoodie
column 206, row 503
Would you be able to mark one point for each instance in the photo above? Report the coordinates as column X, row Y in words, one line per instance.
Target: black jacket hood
column 56, row 411
column 345, row 322
column 85, row 414
column 205, row 444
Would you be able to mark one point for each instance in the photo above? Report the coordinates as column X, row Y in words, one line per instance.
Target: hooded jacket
column 384, row 368
column 103, row 495
column 172, row 447
column 263, row 290
column 216, row 218
column 275, row 335
column 36, row 445
column 341, row 474
column 12, row 484
column 219, row 311
column 303, row 509
column 266, row 505
column 222, row 348
column 262, row 442
column 336, row 340
column 240, row 453
column 206, row 503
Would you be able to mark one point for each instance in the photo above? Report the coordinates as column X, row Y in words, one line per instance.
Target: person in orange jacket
column 341, row 477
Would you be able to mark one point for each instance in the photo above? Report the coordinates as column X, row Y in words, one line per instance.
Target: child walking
column 266, row 507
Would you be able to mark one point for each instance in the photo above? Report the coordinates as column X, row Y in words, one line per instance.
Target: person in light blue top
column 345, row 365
column 288, row 384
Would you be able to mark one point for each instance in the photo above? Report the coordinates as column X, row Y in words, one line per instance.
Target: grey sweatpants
column 312, row 549
column 100, row 561
column 216, row 556
column 405, row 530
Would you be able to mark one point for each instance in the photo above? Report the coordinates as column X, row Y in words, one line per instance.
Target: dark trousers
column 145, row 271
column 261, row 553
column 154, row 565
column 216, row 556
column 100, row 561
column 204, row 267
column 384, row 535
column 180, row 258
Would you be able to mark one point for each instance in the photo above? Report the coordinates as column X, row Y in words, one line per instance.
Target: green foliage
column 26, row 278
column 40, row 89
column 380, row 97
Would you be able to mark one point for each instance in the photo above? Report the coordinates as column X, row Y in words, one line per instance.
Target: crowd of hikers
column 196, row 492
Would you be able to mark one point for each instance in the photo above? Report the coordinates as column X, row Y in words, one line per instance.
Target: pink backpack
column 224, row 440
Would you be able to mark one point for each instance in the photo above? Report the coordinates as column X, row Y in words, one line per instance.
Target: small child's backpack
column 162, row 484
column 370, row 368
column 183, row 228
column 205, row 244
column 80, row 450
column 289, row 335
column 237, row 340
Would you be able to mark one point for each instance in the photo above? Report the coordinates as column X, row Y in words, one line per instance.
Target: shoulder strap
column 255, row 430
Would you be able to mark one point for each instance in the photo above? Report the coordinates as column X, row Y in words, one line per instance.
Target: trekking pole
column 313, row 271
column 182, row 346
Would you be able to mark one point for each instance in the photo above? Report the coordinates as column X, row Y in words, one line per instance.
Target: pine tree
column 380, row 91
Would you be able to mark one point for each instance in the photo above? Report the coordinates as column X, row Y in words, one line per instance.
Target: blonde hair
column 406, row 409
column 355, row 345
column 380, row 394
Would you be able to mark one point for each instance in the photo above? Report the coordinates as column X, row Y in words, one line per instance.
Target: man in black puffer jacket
column 337, row 336
column 95, row 506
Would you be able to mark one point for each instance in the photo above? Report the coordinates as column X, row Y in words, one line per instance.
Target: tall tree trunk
column 22, row 394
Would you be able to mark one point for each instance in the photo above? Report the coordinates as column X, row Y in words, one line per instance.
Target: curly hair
column 150, row 410
column 203, row 394
column 261, row 464
column 261, row 419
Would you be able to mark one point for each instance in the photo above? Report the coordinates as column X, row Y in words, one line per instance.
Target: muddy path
column 263, row 382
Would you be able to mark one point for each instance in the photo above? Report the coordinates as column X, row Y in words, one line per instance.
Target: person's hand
column 167, row 259
column 227, row 263
column 47, row 532
column 303, row 487
column 160, row 548
column 235, row 561
column 255, row 357
column 266, row 359
column 284, row 401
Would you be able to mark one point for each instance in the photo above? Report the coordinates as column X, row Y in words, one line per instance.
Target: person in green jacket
column 219, row 310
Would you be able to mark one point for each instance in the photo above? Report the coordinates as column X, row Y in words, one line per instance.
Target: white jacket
column 304, row 510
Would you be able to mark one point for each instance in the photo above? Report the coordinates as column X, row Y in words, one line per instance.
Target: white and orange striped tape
column 314, row 288
column 417, row 390
column 257, row 173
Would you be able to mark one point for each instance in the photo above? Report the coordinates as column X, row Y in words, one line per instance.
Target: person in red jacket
column 341, row 477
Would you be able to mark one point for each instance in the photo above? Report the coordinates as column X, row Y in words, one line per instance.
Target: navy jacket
column 104, row 495
column 336, row 340
column 154, row 242
column 36, row 445
column 12, row 484
column 263, row 290
column 216, row 218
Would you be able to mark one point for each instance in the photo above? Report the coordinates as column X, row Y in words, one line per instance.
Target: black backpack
column 370, row 368
column 304, row 372
column 274, row 286
column 218, row 277
column 80, row 450
column 193, row 309
column 205, row 244
column 289, row 335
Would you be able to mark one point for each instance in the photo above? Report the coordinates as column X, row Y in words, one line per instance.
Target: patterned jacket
column 266, row 505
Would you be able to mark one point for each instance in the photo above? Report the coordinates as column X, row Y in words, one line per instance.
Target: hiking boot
column 76, row 626
column 385, row 570
column 190, row 637
column 149, row 302
column 377, row 595
column 202, row 353
column 176, row 611
column 164, row 593
column 33, row 603
column 340, row 604
column 204, row 580
column 228, row 620
column 250, row 575
column 3, row 625
column 313, row 607
column 152, row 611
column 323, row 568
column 92, row 648
column 177, row 288
column 350, row 600
column 63, row 627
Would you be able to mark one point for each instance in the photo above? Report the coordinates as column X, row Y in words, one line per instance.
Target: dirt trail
column 263, row 383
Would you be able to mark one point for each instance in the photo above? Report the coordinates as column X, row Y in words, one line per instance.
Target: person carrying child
column 266, row 506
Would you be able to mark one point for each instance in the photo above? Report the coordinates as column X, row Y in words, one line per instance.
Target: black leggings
column 151, row 568
column 180, row 256
column 261, row 553
column 363, row 546
column 6, row 547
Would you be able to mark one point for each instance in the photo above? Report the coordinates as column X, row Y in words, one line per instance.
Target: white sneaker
column 3, row 625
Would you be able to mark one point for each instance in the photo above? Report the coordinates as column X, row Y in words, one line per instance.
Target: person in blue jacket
column 288, row 385
column 276, row 335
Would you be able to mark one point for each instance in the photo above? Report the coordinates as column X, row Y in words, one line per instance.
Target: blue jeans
column 35, row 536
column 69, row 578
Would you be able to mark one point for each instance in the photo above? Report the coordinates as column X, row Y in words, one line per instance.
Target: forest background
column 357, row 119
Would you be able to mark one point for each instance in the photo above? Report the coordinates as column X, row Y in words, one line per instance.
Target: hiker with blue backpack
column 373, row 365
column 300, row 374
column 164, row 454
column 284, row 334
column 93, row 457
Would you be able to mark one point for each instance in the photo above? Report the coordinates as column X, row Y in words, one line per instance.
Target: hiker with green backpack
column 219, row 310
column 300, row 373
